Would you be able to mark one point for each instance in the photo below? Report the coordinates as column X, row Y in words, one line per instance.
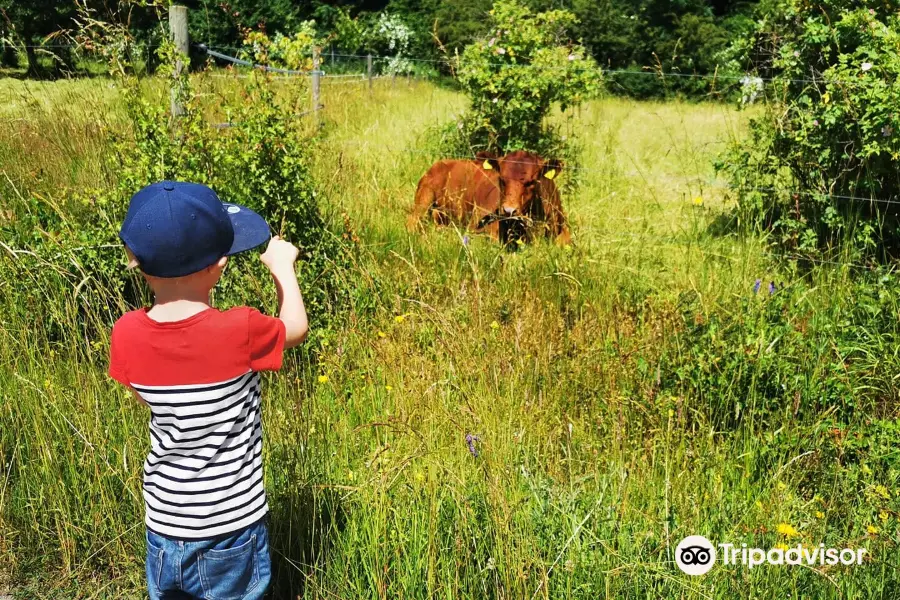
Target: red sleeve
column 266, row 341
column 117, row 366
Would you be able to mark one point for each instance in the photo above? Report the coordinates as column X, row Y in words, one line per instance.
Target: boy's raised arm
column 279, row 257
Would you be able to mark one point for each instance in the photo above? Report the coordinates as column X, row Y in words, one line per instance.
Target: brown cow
column 529, row 191
column 464, row 191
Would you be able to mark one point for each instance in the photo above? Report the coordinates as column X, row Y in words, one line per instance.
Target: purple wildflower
column 771, row 287
column 756, row 286
column 815, row 122
column 471, row 439
column 465, row 240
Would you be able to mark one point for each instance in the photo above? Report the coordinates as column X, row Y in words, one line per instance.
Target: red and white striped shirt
column 203, row 476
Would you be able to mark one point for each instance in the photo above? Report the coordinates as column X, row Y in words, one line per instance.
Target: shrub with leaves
column 262, row 160
column 819, row 167
column 514, row 76
column 785, row 351
column 391, row 35
column 283, row 51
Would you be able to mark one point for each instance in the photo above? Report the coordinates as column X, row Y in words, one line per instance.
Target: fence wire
column 643, row 238
column 657, row 73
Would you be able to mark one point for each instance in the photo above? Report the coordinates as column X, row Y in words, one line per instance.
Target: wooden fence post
column 369, row 70
column 316, row 81
column 178, row 29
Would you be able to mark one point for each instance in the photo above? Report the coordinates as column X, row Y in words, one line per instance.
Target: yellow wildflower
column 323, row 378
column 399, row 318
column 698, row 201
column 787, row 530
column 882, row 491
column 495, row 325
column 781, row 486
column 820, row 514
column 883, row 516
column 388, row 387
column 351, row 476
column 759, row 505
column 871, row 530
column 382, row 334
column 781, row 546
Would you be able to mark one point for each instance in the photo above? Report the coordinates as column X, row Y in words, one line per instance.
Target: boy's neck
column 176, row 310
column 178, row 303
column 179, row 298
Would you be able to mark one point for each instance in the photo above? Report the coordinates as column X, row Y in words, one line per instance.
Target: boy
column 196, row 369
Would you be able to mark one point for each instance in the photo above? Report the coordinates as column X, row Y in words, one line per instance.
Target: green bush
column 262, row 160
column 517, row 73
column 824, row 151
column 781, row 352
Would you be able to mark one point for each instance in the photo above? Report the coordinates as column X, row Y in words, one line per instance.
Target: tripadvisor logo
column 696, row 555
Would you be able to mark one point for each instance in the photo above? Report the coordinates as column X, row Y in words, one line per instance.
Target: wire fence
column 698, row 182
column 748, row 78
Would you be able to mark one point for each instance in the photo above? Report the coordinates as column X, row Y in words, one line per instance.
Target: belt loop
column 180, row 564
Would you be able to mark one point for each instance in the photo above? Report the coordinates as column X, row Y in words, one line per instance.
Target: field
column 539, row 423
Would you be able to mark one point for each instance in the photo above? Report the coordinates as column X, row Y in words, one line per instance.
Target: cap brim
column 250, row 229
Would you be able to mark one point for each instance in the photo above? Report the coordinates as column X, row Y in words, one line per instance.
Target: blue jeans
column 235, row 567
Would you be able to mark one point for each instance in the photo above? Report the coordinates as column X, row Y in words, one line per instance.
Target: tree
column 819, row 167
column 514, row 77
column 28, row 24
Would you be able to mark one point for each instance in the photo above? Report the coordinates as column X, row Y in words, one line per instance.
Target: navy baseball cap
column 175, row 228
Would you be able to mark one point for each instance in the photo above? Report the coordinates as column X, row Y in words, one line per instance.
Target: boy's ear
column 132, row 260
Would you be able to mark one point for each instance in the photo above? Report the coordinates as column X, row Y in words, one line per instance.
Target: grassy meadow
column 617, row 395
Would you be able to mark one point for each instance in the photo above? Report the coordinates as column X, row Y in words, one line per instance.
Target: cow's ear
column 487, row 160
column 552, row 168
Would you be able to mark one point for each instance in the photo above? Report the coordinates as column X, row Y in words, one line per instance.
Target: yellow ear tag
column 487, row 165
column 550, row 174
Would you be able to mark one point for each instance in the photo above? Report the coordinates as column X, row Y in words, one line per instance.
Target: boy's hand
column 279, row 255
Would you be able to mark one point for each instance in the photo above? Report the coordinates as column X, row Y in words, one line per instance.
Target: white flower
column 491, row 43
column 866, row 66
column 501, row 50
column 572, row 57
column 494, row 100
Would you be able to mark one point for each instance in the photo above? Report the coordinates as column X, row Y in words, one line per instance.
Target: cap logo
column 233, row 209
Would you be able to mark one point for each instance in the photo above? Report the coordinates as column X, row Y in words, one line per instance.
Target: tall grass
column 601, row 383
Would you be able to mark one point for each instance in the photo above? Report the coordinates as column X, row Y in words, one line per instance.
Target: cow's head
column 521, row 173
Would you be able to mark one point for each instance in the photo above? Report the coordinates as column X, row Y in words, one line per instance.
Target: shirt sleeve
column 117, row 363
column 266, row 341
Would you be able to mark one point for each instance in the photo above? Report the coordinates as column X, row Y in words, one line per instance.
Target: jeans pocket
column 231, row 573
column 154, row 567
